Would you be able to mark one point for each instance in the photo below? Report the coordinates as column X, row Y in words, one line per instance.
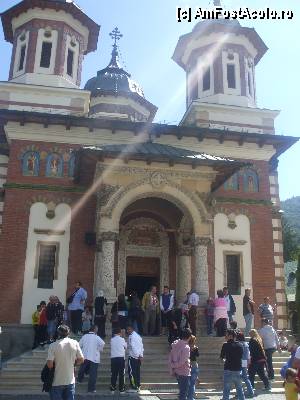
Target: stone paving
column 100, row 396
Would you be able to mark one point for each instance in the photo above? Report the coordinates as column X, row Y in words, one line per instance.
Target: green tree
column 291, row 248
column 298, row 295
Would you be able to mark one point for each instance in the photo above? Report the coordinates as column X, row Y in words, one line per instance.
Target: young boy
column 283, row 340
column 86, row 319
column 118, row 347
column 35, row 324
column 43, row 324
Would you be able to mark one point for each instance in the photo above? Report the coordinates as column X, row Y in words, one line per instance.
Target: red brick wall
column 13, row 240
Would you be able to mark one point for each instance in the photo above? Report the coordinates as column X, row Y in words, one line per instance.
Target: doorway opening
column 141, row 274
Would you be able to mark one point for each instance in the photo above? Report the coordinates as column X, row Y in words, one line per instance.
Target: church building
column 92, row 190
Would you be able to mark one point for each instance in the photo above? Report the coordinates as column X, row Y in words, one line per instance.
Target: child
column 233, row 325
column 35, row 324
column 117, row 354
column 43, row 324
column 86, row 319
column 209, row 315
column 194, row 354
column 291, row 384
column 283, row 340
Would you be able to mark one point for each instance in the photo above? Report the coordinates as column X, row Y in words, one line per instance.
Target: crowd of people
column 154, row 315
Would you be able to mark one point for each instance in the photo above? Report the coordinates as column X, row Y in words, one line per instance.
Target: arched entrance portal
column 149, row 235
column 143, row 228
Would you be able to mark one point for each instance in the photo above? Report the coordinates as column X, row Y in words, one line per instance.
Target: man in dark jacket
column 232, row 353
column 231, row 308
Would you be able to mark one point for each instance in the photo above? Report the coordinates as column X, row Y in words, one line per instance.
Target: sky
column 150, row 33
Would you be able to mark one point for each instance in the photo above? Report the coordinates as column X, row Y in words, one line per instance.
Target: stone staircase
column 22, row 374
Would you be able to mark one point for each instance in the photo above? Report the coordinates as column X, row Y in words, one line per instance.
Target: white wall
column 38, row 220
column 240, row 233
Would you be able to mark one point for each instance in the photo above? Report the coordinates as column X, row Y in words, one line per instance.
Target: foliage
column 298, row 294
column 291, row 245
column 291, row 208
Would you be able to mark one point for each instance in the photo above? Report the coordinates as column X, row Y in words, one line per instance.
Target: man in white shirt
column 135, row 356
column 92, row 345
column 64, row 354
column 271, row 344
column 118, row 347
column 193, row 301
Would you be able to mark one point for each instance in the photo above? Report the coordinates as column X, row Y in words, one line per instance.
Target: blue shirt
column 78, row 300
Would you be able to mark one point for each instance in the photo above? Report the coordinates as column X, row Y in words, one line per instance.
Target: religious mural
column 71, row 166
column 31, row 163
column 250, row 181
column 232, row 183
column 54, row 165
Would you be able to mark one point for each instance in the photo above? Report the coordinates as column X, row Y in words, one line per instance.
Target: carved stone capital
column 108, row 236
column 185, row 251
column 202, row 241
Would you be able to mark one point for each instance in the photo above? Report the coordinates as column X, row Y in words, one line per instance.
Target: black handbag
column 47, row 377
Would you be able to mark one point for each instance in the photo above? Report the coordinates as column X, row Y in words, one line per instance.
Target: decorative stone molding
column 158, row 180
column 169, row 174
column 105, row 193
column 108, row 236
column 185, row 251
column 113, row 201
column 237, row 211
column 50, row 202
column 233, row 242
column 49, row 232
column 202, row 241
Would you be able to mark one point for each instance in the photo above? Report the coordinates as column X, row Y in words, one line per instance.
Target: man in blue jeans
column 63, row 355
column 232, row 353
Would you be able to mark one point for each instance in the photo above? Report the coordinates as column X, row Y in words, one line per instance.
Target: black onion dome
column 113, row 78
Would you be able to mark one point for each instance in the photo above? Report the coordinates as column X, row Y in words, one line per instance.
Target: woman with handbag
column 258, row 360
column 119, row 314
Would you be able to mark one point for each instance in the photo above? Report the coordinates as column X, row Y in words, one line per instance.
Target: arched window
column 31, row 163
column 71, row 166
column 232, row 183
column 250, row 181
column 54, row 166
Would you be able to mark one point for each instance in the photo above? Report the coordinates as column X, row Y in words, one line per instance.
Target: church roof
column 156, row 152
column 66, row 5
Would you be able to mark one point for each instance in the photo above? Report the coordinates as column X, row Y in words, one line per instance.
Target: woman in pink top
column 220, row 314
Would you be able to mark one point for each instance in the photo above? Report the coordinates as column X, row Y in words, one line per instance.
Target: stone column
column 201, row 268
column 105, row 265
column 183, row 272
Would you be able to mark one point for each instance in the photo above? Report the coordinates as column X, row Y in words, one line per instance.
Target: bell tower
column 50, row 39
column 219, row 58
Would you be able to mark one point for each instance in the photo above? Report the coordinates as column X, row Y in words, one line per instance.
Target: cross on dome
column 115, row 35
